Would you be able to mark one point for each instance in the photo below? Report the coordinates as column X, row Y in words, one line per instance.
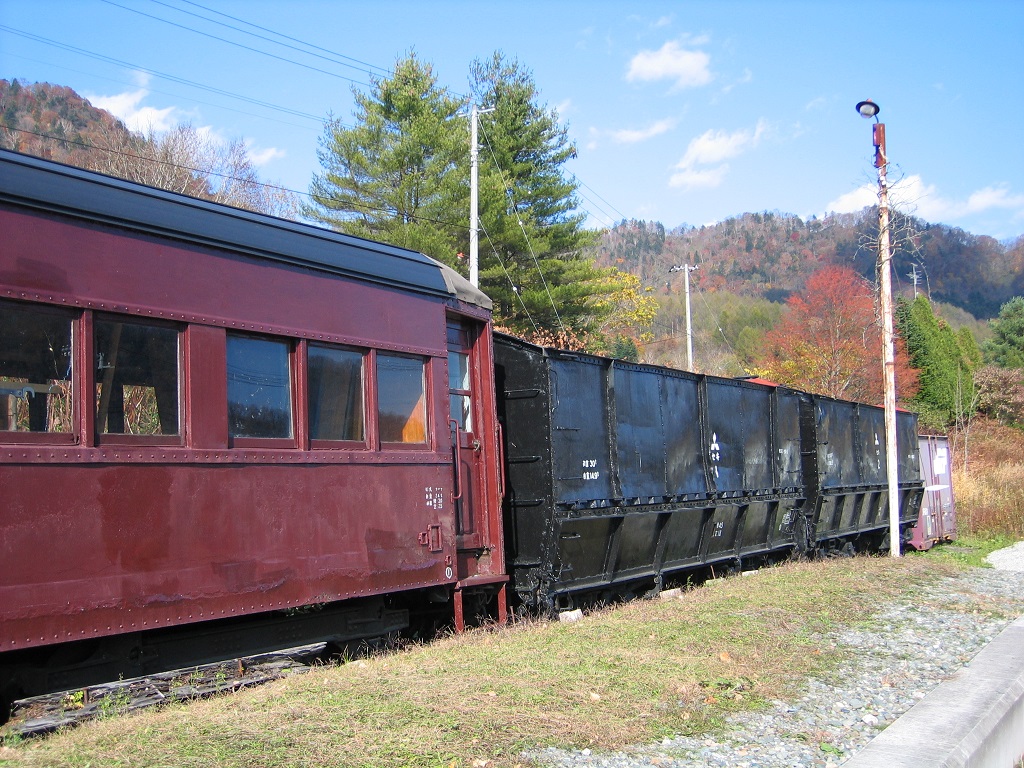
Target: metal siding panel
column 583, row 550
column 684, row 449
column 522, row 381
column 907, row 447
column 637, row 546
column 871, row 433
column 758, row 462
column 726, row 438
column 787, row 439
column 683, row 535
column 151, row 545
column 836, row 453
column 580, row 435
column 640, row 432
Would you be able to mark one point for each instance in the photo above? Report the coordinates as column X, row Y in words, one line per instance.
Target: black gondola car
column 847, row 475
column 621, row 473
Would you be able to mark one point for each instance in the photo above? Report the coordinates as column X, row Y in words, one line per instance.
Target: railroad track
column 44, row 714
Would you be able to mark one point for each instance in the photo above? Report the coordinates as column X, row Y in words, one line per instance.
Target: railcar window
column 401, row 400
column 35, row 370
column 335, row 393
column 259, row 387
column 458, row 388
column 136, row 378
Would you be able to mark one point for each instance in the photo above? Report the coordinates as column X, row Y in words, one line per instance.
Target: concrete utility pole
column 474, row 214
column 474, row 194
column 869, row 109
column 686, row 269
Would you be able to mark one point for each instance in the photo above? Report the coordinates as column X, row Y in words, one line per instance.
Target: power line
column 155, row 73
column 174, row 95
column 368, row 66
column 622, row 216
column 239, row 45
column 609, row 220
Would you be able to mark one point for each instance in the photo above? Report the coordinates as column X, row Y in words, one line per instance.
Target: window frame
column 119, row 438
column 364, row 383
column 294, row 380
column 74, row 435
column 426, row 368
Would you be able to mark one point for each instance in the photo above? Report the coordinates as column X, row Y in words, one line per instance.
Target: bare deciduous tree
column 187, row 161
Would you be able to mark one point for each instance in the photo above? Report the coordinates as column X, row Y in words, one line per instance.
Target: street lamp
column 868, row 109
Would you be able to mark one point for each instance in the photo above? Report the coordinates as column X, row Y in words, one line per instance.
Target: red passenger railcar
column 207, row 413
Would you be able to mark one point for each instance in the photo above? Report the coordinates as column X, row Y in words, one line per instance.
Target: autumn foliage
column 829, row 341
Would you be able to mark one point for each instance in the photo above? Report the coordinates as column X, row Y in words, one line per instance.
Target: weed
column 990, row 492
column 115, row 702
column 73, row 700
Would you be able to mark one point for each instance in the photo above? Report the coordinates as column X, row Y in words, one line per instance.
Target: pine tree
column 401, row 175
column 1006, row 349
column 398, row 174
column 533, row 259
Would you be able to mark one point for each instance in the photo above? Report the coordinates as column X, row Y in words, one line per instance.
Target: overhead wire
column 511, row 282
column 175, row 95
column 239, row 45
column 382, row 70
column 156, row 73
column 608, row 219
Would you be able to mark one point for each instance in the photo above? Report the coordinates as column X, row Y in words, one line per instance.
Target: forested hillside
column 54, row 122
column 770, row 255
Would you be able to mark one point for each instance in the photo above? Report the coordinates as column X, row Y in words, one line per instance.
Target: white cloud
column 856, row 200
column 632, row 136
column 815, row 104
column 995, row 197
column 692, row 178
column 743, row 79
column 664, row 21
column 713, row 147
column 261, row 157
column 689, row 68
column 912, row 195
column 128, row 107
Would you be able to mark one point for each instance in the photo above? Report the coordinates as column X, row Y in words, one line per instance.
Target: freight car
column 621, row 475
column 208, row 414
column 937, row 520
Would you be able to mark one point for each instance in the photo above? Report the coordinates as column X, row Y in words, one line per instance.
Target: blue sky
column 683, row 112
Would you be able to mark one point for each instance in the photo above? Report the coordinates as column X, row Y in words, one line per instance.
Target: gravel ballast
column 909, row 649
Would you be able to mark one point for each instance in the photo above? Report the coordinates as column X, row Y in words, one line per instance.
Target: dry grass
column 623, row 676
column 990, row 492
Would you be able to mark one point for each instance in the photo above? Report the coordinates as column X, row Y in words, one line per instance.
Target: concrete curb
column 973, row 720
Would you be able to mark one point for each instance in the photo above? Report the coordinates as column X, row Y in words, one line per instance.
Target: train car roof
column 57, row 188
